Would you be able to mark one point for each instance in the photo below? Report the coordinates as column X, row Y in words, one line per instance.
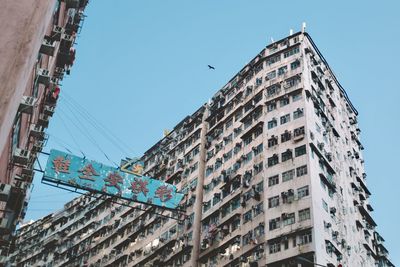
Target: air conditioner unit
column 37, row 131
column 43, row 76
column 38, row 146
column 56, row 33
column 43, row 120
column 48, row 110
column 5, row 190
column 47, row 47
column 27, row 172
column 21, row 156
column 26, row 105
column 58, row 73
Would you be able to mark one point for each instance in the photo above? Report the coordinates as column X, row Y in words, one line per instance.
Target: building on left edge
column 36, row 51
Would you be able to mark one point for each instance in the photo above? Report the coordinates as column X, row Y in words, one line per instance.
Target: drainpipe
column 199, row 192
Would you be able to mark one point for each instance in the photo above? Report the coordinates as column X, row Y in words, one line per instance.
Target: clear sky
column 142, row 66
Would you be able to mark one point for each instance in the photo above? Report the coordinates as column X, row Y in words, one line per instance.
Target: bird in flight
column 211, row 67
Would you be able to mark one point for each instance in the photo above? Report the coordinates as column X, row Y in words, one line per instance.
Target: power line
column 114, row 139
column 85, row 132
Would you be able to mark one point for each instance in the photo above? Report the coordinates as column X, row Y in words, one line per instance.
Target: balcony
column 37, row 132
column 27, row 104
column 21, row 156
column 328, row 181
column 56, row 33
column 43, row 76
column 49, row 110
column 48, row 47
column 43, row 121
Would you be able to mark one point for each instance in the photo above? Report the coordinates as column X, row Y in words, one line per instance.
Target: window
column 247, row 216
column 302, row 192
column 282, row 70
column 291, row 82
column 248, row 140
column 288, row 154
column 285, row 119
column 270, row 75
column 216, row 198
column 228, row 139
column 248, row 157
column 295, row 64
column 258, row 81
column 298, row 113
column 299, row 131
column 272, row 123
column 273, row 202
column 304, row 214
column 228, row 155
column 237, row 131
column 291, row 52
column 275, row 247
column 288, row 175
column 259, row 230
column 284, row 101
column 288, row 219
column 258, row 149
column 301, row 150
column 206, row 206
column 258, row 167
column 218, row 163
column 286, row 136
column 296, row 97
column 271, row 107
column 258, row 132
column 246, row 238
column 325, row 205
column 273, row 180
column 209, row 170
column 229, row 123
column 238, row 114
column 302, row 170
column 274, row 89
column 305, row 238
column 16, row 134
column 259, row 208
column 272, row 141
column 274, row 59
column 273, row 160
column 247, row 123
column 274, row 223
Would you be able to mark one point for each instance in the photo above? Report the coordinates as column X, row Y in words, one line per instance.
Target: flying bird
column 211, row 67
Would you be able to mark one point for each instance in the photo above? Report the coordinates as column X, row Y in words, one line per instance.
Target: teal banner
column 76, row 172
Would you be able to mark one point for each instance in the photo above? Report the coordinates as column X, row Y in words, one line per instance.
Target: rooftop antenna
column 303, row 27
column 290, row 32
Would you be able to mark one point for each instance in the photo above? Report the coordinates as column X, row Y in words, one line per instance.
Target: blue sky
column 142, row 66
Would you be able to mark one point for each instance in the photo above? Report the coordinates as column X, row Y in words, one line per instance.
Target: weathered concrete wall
column 22, row 27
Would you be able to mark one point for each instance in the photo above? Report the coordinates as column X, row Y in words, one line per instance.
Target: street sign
column 80, row 173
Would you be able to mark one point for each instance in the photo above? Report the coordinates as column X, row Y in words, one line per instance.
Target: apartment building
column 36, row 50
column 272, row 172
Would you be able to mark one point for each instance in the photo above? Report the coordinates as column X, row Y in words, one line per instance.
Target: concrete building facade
column 272, row 172
column 36, row 49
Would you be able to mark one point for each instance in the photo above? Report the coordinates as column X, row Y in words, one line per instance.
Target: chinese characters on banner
column 76, row 172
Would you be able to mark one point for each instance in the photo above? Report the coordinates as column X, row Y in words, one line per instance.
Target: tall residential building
column 272, row 172
column 36, row 49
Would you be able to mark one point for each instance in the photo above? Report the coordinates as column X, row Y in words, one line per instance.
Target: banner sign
column 77, row 172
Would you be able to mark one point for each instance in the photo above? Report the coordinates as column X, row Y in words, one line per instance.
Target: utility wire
column 86, row 133
column 99, row 129
column 69, row 132
column 98, row 125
